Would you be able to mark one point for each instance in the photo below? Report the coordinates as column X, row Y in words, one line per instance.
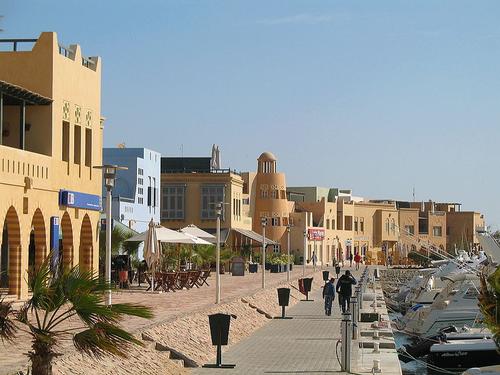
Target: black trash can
column 219, row 332
column 307, row 286
column 326, row 276
column 283, row 299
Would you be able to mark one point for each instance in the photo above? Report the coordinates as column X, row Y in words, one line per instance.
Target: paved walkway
column 166, row 306
column 305, row 344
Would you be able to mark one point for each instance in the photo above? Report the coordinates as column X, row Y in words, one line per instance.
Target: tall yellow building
column 51, row 137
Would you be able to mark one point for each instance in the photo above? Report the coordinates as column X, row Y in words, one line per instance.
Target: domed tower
column 270, row 199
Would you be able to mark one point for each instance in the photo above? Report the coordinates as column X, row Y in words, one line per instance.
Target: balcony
column 18, row 165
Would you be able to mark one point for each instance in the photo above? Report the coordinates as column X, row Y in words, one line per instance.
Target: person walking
column 337, row 269
column 344, row 289
column 314, row 259
column 350, row 258
column 329, row 296
column 357, row 260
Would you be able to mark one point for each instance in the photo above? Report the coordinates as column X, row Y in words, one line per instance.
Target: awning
column 254, row 236
column 21, row 94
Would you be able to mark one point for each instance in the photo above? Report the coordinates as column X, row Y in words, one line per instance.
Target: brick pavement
column 166, row 306
column 303, row 345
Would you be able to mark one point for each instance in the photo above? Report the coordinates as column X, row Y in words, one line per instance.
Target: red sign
column 316, row 234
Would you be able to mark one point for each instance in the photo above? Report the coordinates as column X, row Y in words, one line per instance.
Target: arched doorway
column 10, row 257
column 86, row 244
column 66, row 242
column 38, row 241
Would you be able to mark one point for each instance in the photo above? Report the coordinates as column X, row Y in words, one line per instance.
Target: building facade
column 51, row 137
column 136, row 195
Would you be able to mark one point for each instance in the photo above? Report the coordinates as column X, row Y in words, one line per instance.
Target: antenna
column 413, row 193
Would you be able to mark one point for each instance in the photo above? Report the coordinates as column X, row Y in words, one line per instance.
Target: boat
column 459, row 355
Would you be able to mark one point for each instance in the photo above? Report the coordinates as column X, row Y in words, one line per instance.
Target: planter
column 253, row 267
column 275, row 268
column 268, row 266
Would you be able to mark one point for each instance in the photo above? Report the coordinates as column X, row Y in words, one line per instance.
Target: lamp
column 109, row 174
column 288, row 228
column 263, row 222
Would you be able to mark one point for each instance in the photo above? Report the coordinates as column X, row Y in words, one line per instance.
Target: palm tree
column 205, row 255
column 119, row 242
column 58, row 297
column 489, row 302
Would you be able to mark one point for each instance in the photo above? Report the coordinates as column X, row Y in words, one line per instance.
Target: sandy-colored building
column 50, row 139
column 267, row 194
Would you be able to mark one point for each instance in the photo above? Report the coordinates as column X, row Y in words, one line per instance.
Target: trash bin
column 219, row 332
column 283, row 299
column 238, row 266
column 307, row 284
column 252, row 267
column 326, row 276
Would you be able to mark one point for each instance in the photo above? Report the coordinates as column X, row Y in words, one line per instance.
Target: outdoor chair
column 193, row 278
column 182, row 280
column 203, row 278
column 170, row 281
column 148, row 280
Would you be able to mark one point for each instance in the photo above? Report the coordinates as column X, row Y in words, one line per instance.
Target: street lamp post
column 109, row 181
column 217, row 260
column 263, row 221
column 288, row 227
column 304, row 255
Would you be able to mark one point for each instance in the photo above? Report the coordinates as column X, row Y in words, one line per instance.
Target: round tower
column 270, row 199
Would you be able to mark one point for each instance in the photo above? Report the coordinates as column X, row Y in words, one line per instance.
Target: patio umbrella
column 200, row 233
column 151, row 250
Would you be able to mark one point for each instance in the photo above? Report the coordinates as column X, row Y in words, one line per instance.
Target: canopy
column 254, row 236
column 193, row 230
column 166, row 235
column 151, row 246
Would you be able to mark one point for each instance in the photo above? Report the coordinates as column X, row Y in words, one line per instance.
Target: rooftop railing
column 15, row 42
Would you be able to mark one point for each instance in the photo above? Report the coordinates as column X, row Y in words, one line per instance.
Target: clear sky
column 377, row 96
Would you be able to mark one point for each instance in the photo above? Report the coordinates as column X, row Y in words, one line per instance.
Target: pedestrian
column 329, row 296
column 350, row 258
column 337, row 269
column 314, row 259
column 344, row 289
column 357, row 260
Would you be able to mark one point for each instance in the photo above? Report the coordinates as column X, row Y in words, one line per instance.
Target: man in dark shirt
column 344, row 289
column 329, row 296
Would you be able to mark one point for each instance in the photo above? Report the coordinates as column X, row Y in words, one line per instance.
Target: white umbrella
column 193, row 230
column 162, row 234
column 190, row 239
column 151, row 251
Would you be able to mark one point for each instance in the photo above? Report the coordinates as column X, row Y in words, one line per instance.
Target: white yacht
column 455, row 305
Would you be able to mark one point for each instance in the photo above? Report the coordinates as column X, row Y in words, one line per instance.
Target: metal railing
column 15, row 42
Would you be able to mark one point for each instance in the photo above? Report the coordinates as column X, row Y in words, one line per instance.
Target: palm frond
column 8, row 328
column 133, row 310
column 104, row 338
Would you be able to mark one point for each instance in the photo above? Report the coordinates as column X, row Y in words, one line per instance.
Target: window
column 78, row 145
column 210, row 196
column 88, row 147
column 274, row 194
column 140, row 200
column 355, row 224
column 333, row 224
column 437, row 231
column 410, row 229
column 276, row 249
column 275, row 221
column 362, row 224
column 173, row 202
column 140, row 181
column 387, row 225
column 140, row 172
column 140, row 191
column 393, row 227
column 65, row 141
column 327, row 223
column 348, row 222
column 264, row 193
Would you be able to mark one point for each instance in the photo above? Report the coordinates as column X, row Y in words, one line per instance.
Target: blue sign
column 54, row 242
column 79, row 200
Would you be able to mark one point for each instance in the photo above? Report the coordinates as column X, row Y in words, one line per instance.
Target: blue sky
column 377, row 96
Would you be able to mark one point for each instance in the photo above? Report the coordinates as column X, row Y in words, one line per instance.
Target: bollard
column 326, row 276
column 345, row 359
column 376, row 347
column 375, row 335
column 376, row 366
column 354, row 311
column 360, row 297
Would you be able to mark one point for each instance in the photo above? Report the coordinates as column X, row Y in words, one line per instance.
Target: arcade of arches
column 24, row 245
